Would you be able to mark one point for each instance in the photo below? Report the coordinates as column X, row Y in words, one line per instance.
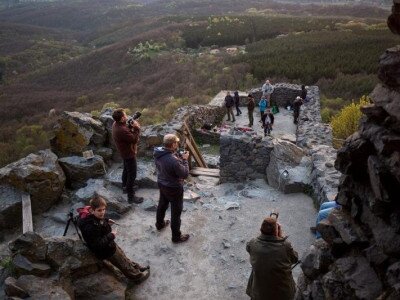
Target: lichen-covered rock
column 317, row 260
column 389, row 67
column 30, row 245
column 79, row 169
column 39, row 175
column 75, row 132
column 23, row 266
column 42, row 288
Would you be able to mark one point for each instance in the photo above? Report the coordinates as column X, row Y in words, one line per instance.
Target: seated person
column 324, row 211
column 99, row 237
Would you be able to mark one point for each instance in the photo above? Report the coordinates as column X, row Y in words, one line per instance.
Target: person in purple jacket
column 172, row 169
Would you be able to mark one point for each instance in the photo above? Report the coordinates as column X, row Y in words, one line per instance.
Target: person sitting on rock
column 100, row 239
column 271, row 258
column 324, row 211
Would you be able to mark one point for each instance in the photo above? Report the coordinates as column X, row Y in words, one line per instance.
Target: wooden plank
column 194, row 146
column 202, row 173
column 27, row 223
column 207, row 170
column 195, row 155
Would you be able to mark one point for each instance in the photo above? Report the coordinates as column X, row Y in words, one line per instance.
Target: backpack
column 83, row 212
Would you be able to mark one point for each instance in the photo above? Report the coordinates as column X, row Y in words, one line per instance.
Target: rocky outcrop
column 10, row 206
column 79, row 169
column 77, row 132
column 39, row 175
column 364, row 236
column 59, row 268
column 286, row 156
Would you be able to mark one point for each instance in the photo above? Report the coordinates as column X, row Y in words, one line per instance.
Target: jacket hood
column 160, row 151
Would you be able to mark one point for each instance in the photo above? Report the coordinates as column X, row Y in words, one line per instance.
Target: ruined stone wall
column 358, row 257
column 243, row 156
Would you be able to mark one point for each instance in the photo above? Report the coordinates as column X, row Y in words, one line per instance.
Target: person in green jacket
column 271, row 258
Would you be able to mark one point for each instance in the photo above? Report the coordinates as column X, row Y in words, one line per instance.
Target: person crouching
column 100, row 239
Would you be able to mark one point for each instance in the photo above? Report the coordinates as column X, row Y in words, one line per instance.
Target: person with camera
column 126, row 138
column 271, row 258
column 172, row 169
column 100, row 239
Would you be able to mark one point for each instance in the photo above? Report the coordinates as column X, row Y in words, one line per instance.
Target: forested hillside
column 157, row 55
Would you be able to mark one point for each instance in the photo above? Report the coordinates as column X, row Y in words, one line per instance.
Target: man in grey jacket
column 172, row 169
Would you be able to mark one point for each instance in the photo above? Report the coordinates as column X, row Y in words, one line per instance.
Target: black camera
column 180, row 151
column 135, row 116
column 275, row 214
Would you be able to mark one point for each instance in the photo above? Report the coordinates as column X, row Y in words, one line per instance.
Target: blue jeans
column 323, row 213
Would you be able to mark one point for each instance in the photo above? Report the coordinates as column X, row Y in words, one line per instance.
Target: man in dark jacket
column 99, row 237
column 229, row 102
column 250, row 108
column 126, row 140
column 237, row 103
column 271, row 258
column 267, row 121
column 172, row 169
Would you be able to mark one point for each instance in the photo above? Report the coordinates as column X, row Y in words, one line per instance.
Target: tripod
column 74, row 221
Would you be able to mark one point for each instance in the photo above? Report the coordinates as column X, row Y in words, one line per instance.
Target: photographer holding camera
column 126, row 134
column 271, row 258
column 172, row 169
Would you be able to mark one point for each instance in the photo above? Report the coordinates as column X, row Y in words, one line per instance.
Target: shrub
column 346, row 122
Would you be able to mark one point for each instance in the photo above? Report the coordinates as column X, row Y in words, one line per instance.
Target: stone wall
column 243, row 156
column 358, row 257
column 283, row 95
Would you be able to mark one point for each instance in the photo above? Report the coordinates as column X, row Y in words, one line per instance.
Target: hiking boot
column 125, row 191
column 181, row 239
column 135, row 199
column 142, row 269
column 143, row 277
column 313, row 229
column 166, row 224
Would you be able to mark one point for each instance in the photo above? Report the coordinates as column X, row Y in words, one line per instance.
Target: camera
column 180, row 151
column 135, row 116
column 274, row 214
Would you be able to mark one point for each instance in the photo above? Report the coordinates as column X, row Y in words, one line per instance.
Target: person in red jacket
column 126, row 140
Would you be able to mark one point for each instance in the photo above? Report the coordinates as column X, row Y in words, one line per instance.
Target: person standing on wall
column 126, row 139
column 172, row 169
column 267, row 90
column 304, row 93
column 296, row 109
column 229, row 102
column 237, row 103
column 250, row 108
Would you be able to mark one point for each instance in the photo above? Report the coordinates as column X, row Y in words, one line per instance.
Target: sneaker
column 166, row 224
column 145, row 275
column 181, row 239
column 135, row 199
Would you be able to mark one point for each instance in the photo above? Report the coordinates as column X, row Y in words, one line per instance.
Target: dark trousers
column 295, row 116
column 238, row 111
column 173, row 195
column 129, row 268
column 251, row 118
column 129, row 175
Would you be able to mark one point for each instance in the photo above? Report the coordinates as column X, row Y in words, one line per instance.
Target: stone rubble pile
column 358, row 257
column 61, row 267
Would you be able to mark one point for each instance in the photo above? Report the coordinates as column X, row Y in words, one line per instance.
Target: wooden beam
column 195, row 155
column 27, row 223
column 205, row 172
column 196, row 152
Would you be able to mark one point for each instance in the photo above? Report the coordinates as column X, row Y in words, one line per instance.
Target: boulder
column 39, row 175
column 149, row 205
column 102, row 285
column 12, row 290
column 79, row 169
column 58, row 250
column 393, row 274
column 76, row 132
column 387, row 98
column 42, row 288
column 24, row 266
column 359, row 276
column 30, row 245
column 317, row 260
column 105, row 153
column 10, row 207
column 115, row 202
column 348, row 230
column 389, row 67
column 287, row 156
column 335, row 287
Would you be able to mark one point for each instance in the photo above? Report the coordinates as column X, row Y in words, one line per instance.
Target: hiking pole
column 294, row 266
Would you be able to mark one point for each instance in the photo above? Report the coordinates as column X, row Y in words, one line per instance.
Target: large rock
column 42, row 288
column 359, row 276
column 12, row 290
column 39, row 175
column 115, row 202
column 317, row 260
column 24, row 266
column 389, row 67
column 79, row 169
column 10, row 207
column 348, row 230
column 287, row 156
column 30, row 245
column 77, row 132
